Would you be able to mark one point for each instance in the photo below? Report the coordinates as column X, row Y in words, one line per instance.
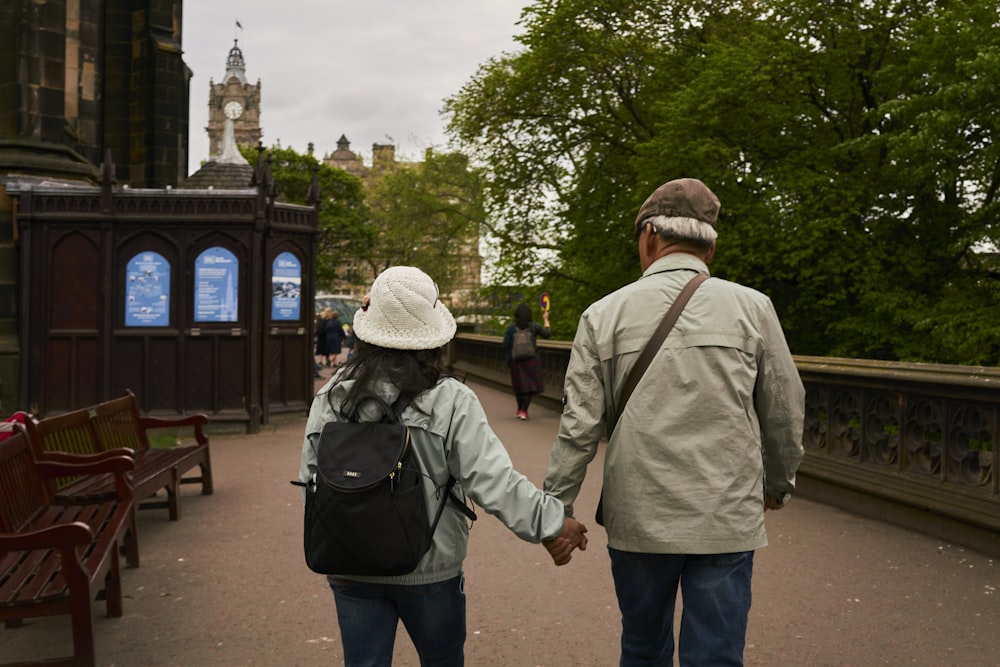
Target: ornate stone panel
column 923, row 431
column 881, row 421
column 845, row 423
column 970, row 439
column 817, row 415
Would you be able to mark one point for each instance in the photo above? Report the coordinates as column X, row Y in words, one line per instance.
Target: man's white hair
column 683, row 229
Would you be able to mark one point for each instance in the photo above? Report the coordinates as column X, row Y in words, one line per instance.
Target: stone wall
column 909, row 444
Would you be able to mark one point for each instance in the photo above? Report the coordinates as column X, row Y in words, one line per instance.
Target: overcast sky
column 376, row 71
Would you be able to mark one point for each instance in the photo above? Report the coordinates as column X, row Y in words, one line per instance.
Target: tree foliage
column 344, row 229
column 851, row 143
column 426, row 214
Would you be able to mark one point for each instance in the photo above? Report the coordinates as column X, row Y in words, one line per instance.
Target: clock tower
column 234, row 100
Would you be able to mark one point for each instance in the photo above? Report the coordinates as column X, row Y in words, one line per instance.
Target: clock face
column 234, row 110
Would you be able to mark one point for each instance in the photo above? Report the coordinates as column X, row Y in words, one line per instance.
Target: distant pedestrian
column 350, row 342
column 334, row 337
column 321, row 349
column 527, row 377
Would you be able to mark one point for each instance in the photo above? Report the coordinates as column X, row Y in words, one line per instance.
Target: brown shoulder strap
column 653, row 346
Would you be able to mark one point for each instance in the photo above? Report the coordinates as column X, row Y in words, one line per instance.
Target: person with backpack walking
column 521, row 342
column 402, row 328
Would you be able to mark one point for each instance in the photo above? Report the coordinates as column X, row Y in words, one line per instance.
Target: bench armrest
column 119, row 466
column 194, row 421
column 68, row 457
column 53, row 537
column 113, row 464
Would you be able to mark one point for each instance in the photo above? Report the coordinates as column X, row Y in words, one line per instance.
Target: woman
column 401, row 330
column 334, row 337
column 350, row 341
column 321, row 350
column 526, row 375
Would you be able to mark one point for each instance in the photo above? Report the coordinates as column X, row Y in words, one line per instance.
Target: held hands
column 573, row 536
column 772, row 503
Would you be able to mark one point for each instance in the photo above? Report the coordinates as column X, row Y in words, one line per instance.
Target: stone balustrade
column 907, row 443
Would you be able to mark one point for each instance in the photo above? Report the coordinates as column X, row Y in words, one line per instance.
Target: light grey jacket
column 720, row 405
column 450, row 435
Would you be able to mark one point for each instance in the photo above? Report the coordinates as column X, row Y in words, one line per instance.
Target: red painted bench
column 56, row 558
column 114, row 427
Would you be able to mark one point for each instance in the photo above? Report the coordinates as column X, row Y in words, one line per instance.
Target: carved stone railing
column 912, row 444
column 483, row 357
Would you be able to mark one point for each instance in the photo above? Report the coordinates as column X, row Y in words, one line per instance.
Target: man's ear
column 710, row 254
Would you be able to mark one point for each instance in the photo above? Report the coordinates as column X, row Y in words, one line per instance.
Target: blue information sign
column 216, row 286
column 147, row 291
column 286, row 287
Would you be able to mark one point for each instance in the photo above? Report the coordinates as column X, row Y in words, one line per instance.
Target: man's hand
column 573, row 536
column 772, row 503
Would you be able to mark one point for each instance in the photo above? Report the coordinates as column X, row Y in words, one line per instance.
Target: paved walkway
column 227, row 584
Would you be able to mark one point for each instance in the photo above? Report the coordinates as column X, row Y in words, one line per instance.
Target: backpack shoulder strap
column 462, row 507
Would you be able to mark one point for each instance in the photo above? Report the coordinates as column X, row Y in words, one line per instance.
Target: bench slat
column 18, row 569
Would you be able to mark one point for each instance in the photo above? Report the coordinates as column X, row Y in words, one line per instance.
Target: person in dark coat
column 321, row 351
column 526, row 375
column 350, row 342
column 334, row 338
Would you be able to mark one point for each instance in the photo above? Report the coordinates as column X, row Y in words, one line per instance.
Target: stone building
column 233, row 101
column 383, row 159
column 356, row 276
column 233, row 121
column 345, row 159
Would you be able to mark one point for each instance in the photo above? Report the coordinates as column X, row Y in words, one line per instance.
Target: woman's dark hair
column 522, row 316
column 411, row 371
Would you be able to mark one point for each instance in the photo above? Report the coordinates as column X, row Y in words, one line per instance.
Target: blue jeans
column 433, row 614
column 716, row 603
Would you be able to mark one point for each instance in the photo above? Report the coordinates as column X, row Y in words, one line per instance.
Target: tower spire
column 235, row 65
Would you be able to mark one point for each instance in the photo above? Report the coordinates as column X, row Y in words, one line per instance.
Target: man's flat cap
column 681, row 198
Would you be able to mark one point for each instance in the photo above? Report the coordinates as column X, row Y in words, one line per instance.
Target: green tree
column 344, row 229
column 851, row 144
column 427, row 214
column 559, row 125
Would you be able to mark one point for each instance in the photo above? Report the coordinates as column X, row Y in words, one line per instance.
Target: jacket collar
column 677, row 261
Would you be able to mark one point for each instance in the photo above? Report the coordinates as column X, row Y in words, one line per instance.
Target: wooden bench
column 115, row 427
column 56, row 559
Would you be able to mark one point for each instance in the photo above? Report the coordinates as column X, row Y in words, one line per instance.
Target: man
column 710, row 437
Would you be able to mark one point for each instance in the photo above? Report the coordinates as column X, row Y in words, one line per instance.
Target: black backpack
column 365, row 509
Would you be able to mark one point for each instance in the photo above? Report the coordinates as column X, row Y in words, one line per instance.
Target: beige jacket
column 719, row 406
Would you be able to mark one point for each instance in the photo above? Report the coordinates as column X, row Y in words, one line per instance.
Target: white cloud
column 376, row 71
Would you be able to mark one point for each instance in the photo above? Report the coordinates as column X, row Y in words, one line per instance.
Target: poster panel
column 216, row 286
column 147, row 291
column 286, row 287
